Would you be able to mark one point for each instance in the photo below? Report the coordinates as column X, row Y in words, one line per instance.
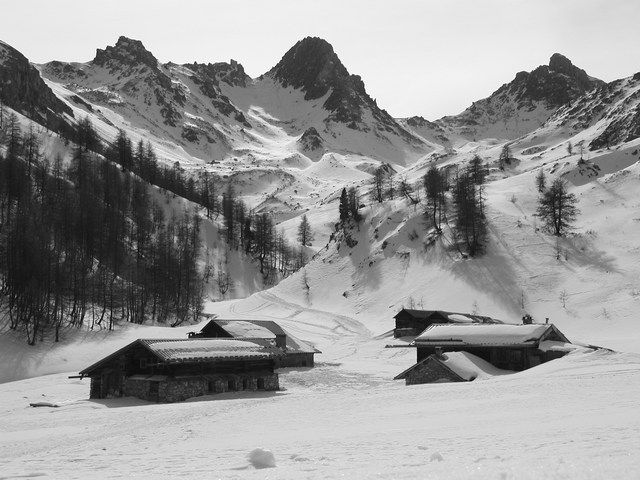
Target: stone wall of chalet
column 431, row 371
column 177, row 389
column 295, row 360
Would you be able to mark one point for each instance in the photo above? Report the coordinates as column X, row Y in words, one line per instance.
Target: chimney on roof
column 281, row 341
column 546, row 320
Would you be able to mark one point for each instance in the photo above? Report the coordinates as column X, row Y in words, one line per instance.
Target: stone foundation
column 177, row 389
column 295, row 360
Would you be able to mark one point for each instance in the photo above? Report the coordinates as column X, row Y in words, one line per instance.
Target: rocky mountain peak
column 311, row 64
column 231, row 73
column 126, row 51
column 560, row 64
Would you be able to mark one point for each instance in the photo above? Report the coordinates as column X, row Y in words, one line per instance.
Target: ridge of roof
column 485, row 334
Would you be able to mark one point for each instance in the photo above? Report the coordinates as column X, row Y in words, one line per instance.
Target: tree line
column 464, row 193
column 85, row 244
column 253, row 233
column 462, row 196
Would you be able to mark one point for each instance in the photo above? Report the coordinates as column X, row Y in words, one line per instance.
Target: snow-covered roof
column 197, row 350
column 484, row 334
column 471, row 367
column 251, row 329
column 246, row 329
column 207, row 349
column 465, row 365
column 555, row 346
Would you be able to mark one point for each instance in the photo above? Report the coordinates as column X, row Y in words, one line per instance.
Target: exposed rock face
column 616, row 105
column 126, row 51
column 126, row 71
column 526, row 102
column 310, row 140
column 432, row 131
column 22, row 89
column 128, row 56
column 556, row 84
column 231, row 73
column 313, row 66
column 208, row 78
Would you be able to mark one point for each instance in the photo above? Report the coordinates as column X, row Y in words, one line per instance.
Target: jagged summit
column 556, row 84
column 127, row 51
column 522, row 105
column 311, row 64
column 231, row 73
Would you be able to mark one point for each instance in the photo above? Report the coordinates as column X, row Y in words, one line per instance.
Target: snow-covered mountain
column 517, row 107
column 215, row 110
column 606, row 117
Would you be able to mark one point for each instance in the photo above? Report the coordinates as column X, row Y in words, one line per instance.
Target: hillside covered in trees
column 86, row 241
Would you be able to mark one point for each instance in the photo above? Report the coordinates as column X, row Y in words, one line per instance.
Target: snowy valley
column 289, row 141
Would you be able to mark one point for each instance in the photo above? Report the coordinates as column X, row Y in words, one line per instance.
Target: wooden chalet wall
column 409, row 325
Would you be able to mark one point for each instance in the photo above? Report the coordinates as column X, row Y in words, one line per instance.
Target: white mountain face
column 295, row 134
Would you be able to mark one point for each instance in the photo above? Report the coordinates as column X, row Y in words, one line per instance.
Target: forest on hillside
column 85, row 243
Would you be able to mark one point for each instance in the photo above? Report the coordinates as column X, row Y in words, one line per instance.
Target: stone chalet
column 170, row 370
column 410, row 322
column 297, row 353
column 503, row 346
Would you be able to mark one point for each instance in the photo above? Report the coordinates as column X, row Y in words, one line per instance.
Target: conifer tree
column 435, row 188
column 557, row 207
column 470, row 221
column 305, row 234
column 377, row 192
column 505, row 157
column 477, row 170
column 344, row 206
column 353, row 203
column 541, row 181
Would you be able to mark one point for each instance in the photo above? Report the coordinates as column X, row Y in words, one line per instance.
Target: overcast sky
column 416, row 57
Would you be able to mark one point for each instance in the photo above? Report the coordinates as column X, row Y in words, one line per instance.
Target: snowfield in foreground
column 575, row 417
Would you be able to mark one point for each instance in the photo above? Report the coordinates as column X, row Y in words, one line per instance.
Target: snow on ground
column 575, row 417
column 571, row 418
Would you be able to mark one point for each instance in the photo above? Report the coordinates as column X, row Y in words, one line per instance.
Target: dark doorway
column 261, row 384
column 110, row 385
column 231, row 385
column 153, row 391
